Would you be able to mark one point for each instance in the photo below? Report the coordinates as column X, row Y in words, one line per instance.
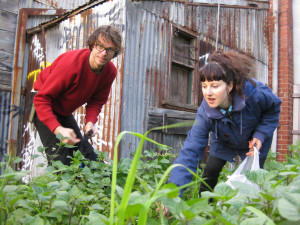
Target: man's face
column 102, row 52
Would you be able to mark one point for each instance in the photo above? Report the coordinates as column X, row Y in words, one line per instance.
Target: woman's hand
column 254, row 142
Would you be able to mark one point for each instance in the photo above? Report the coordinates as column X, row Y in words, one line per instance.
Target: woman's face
column 216, row 93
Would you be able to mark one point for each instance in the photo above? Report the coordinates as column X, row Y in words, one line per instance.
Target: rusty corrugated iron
column 149, row 46
column 144, row 67
column 14, row 129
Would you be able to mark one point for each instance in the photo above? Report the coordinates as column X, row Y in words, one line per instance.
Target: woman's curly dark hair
column 108, row 32
column 230, row 67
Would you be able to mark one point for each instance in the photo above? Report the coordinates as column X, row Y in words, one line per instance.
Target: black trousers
column 50, row 141
column 212, row 171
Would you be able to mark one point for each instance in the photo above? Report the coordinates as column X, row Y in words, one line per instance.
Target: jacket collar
column 214, row 113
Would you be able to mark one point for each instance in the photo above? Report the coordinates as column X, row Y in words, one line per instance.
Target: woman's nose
column 208, row 91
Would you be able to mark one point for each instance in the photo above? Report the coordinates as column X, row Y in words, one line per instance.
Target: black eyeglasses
column 109, row 51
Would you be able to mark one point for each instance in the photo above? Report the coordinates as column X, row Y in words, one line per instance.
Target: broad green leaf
column 171, row 204
column 38, row 189
column 188, row 214
column 60, row 204
column 97, row 207
column 288, row 210
column 10, row 188
column 164, row 161
column 119, row 190
column 75, row 192
column 260, row 214
column 224, row 218
column 288, row 173
column 293, row 198
column 137, row 198
column 133, row 210
column 249, row 190
column 37, row 221
column 42, row 197
column 252, row 221
column 237, row 202
column 223, row 189
column 198, row 205
column 86, row 198
column 197, row 220
column 169, row 187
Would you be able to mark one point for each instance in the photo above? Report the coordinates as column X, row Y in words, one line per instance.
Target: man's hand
column 67, row 133
column 254, row 142
column 90, row 126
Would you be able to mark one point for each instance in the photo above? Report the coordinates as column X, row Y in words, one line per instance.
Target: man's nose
column 104, row 52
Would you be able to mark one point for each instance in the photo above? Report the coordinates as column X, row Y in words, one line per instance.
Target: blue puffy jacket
column 253, row 116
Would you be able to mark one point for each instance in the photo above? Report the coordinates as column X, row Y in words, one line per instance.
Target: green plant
column 135, row 189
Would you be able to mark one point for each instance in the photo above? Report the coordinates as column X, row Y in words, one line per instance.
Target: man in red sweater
column 75, row 78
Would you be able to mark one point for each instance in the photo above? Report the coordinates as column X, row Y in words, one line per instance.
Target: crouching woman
column 237, row 111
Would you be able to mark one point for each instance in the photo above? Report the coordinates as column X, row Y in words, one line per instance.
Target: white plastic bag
column 249, row 163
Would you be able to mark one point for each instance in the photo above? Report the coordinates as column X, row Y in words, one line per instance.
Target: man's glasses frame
column 101, row 48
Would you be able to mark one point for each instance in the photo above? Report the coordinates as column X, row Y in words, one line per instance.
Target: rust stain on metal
column 66, row 15
column 17, row 73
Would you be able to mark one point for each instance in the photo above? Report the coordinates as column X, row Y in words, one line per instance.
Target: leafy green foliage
column 135, row 191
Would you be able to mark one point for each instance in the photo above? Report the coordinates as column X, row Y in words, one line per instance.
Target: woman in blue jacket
column 237, row 111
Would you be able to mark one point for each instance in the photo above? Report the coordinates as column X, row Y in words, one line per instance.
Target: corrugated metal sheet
column 144, row 68
column 5, row 110
column 148, row 47
column 56, row 4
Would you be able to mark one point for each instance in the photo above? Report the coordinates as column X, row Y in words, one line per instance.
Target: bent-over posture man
column 75, row 78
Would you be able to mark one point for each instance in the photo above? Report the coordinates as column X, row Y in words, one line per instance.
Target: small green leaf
column 267, row 197
column 18, row 160
column 40, row 165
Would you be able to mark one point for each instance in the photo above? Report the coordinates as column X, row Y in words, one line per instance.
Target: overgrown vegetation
column 132, row 191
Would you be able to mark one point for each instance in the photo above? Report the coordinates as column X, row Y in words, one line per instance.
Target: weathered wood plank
column 5, row 87
column 5, row 78
column 6, row 61
column 8, row 21
column 171, row 113
column 10, row 6
column 7, row 40
column 161, row 117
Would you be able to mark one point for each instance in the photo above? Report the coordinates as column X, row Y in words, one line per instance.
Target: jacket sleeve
column 269, row 105
column 192, row 151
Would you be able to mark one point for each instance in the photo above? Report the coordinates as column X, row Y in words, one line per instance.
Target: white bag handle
column 255, row 164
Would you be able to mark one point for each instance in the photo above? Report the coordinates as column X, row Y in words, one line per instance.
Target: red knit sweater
column 69, row 83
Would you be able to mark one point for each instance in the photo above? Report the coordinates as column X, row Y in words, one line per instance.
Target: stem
column 71, row 213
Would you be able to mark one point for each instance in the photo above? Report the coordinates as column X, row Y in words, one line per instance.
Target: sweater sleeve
column 55, row 80
column 269, row 104
column 192, row 151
